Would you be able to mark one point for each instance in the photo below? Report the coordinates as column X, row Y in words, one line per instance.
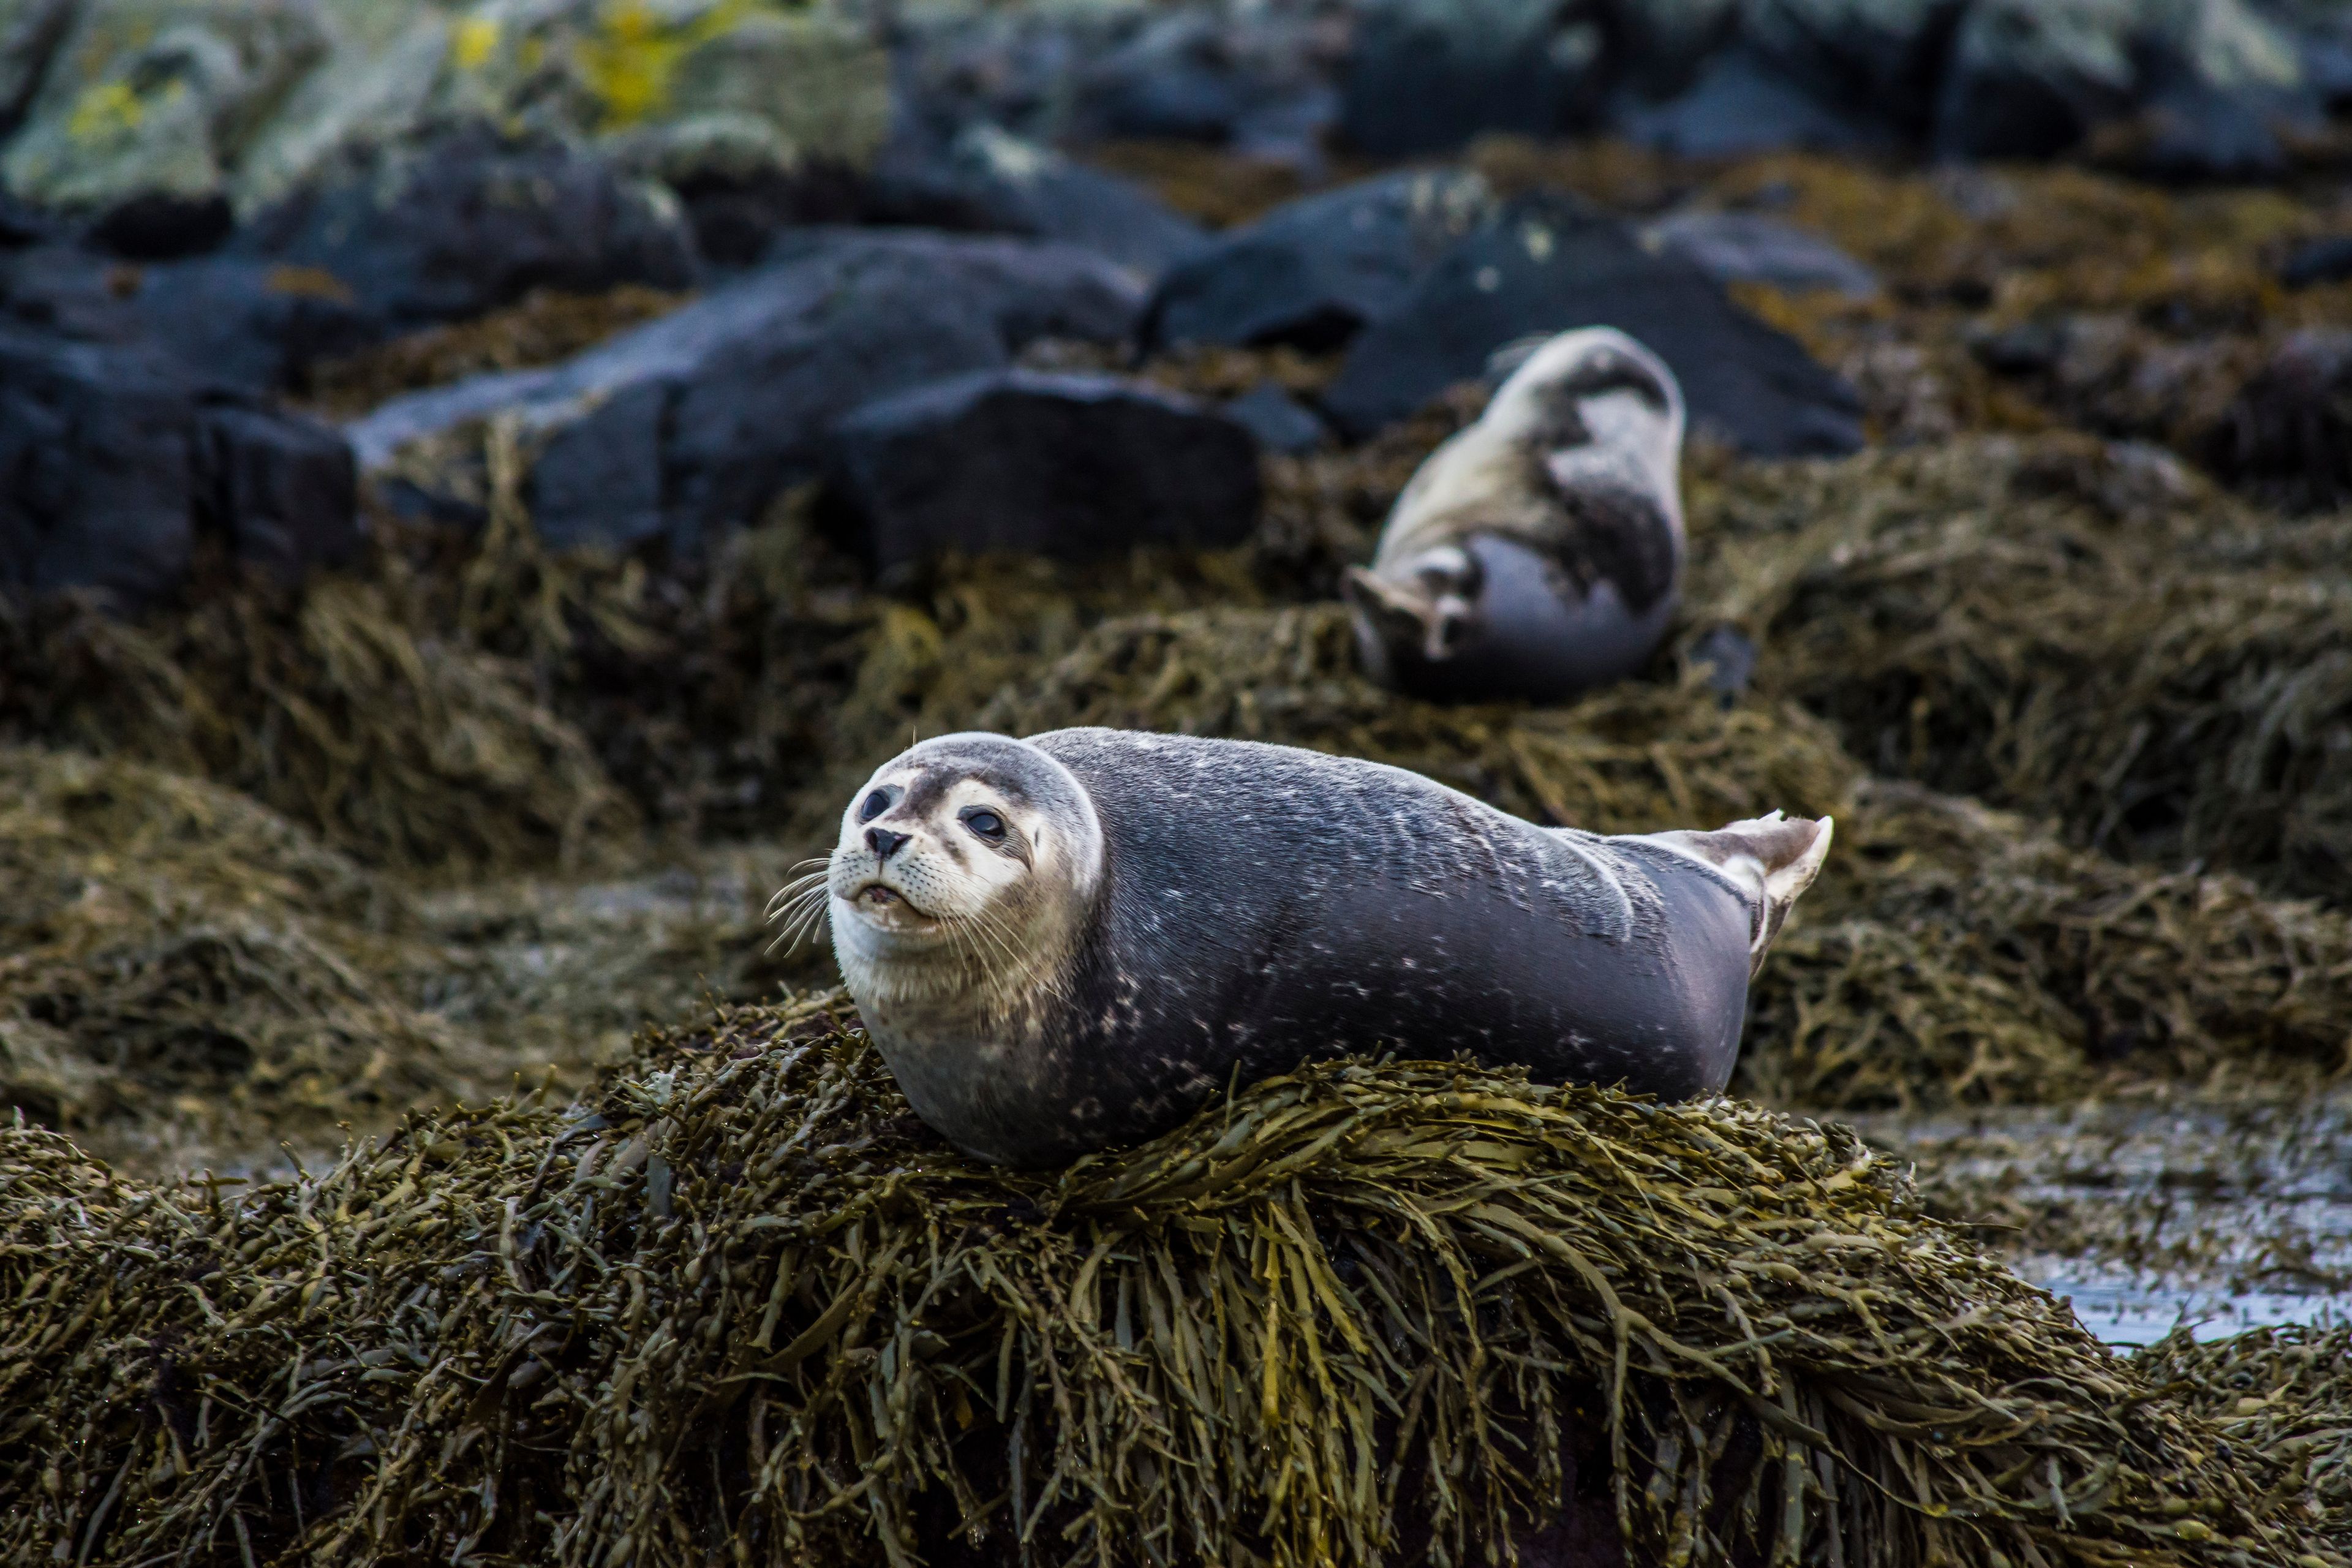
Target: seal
column 1538, row 552
column 1077, row 940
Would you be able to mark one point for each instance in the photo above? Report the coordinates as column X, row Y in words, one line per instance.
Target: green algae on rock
column 1368, row 1311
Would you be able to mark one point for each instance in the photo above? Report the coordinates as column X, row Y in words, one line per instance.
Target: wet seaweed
column 1370, row 1312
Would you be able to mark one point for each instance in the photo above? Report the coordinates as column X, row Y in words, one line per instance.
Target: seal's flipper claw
column 1773, row 859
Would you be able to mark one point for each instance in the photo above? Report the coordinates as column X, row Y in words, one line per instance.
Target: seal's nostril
column 883, row 842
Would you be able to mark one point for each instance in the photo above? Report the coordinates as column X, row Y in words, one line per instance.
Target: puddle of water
column 2130, row 1314
column 2223, row 1214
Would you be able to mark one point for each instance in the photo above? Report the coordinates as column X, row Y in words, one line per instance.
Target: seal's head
column 965, row 872
column 1573, row 469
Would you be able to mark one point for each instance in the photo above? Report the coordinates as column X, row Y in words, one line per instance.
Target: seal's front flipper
column 1771, row 859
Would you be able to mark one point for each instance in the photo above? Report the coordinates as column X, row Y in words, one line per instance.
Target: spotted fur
column 1185, row 912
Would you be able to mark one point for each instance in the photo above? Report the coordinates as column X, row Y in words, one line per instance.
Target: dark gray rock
column 234, row 322
column 1071, row 466
column 1755, row 248
column 68, row 290
column 113, row 463
column 1279, row 421
column 257, row 326
column 1548, row 263
column 163, row 225
column 2286, row 435
column 282, row 490
column 687, row 426
column 1314, row 271
column 1879, row 58
column 1427, row 76
column 99, row 463
column 1741, row 104
column 1178, row 80
column 2327, row 260
column 991, row 181
column 474, row 222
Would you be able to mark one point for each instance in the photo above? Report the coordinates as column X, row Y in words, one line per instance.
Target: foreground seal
column 1077, row 940
column 1538, row 552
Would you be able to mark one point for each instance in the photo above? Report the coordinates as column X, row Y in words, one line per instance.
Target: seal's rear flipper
column 1772, row 859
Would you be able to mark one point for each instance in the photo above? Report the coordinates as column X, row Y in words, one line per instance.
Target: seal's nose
column 883, row 842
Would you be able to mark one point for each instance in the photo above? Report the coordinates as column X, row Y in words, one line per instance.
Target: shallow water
column 2222, row 1212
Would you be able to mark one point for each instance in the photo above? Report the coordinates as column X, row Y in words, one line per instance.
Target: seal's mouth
column 886, row 907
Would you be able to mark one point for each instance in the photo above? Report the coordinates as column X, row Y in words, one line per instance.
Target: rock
column 1253, row 77
column 1664, row 43
column 253, row 325
column 657, row 77
column 473, row 221
column 1279, row 422
column 992, row 180
column 68, row 290
column 1728, row 655
column 1071, row 466
column 113, row 463
column 1314, row 271
column 282, row 490
column 157, row 98
column 22, row 223
column 1877, row 57
column 1740, row 104
column 159, row 225
column 256, row 100
column 232, row 323
column 2031, row 78
column 2286, row 433
column 98, row 469
column 2327, row 260
column 1753, row 247
column 687, row 426
column 1176, row 80
column 1427, row 76
column 1548, row 263
column 30, row 31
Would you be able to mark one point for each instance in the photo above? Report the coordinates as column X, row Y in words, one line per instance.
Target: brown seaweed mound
column 176, row 962
column 2083, row 631
column 1369, row 1312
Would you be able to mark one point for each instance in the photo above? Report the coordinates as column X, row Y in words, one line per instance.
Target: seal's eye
column 874, row 805
column 987, row 823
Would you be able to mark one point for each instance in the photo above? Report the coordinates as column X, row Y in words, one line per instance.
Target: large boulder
column 239, row 323
column 157, row 99
column 991, row 180
column 2031, row 78
column 1313, row 272
column 250, row 100
column 1756, row 247
column 687, row 426
column 473, row 221
column 1882, row 57
column 113, row 463
column 1742, row 103
column 1427, row 76
column 1548, row 263
column 1073, row 467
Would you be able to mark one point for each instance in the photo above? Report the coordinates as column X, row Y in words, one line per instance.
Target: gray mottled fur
column 1256, row 906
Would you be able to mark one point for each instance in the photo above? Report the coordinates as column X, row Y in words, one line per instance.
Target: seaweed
column 2075, row 629
column 1368, row 1311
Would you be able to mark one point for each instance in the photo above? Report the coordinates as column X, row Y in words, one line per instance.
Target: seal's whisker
column 806, row 908
column 798, row 885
